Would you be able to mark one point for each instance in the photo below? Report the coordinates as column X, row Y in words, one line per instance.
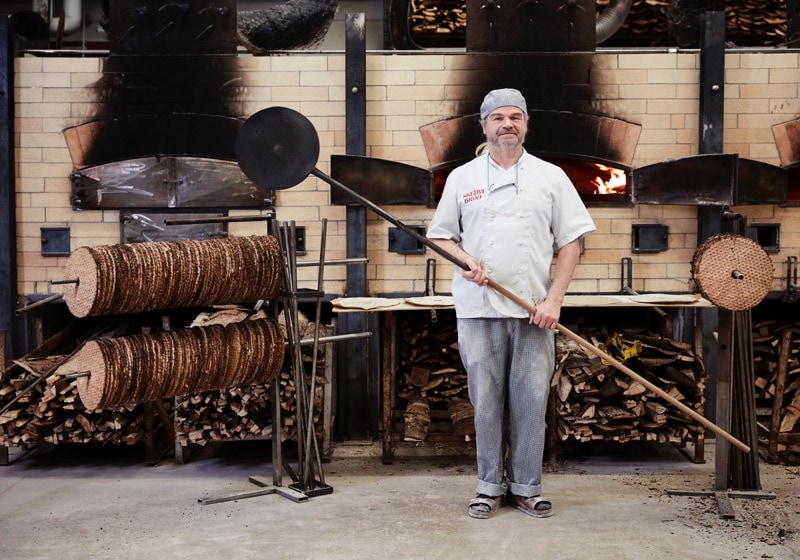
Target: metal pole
column 8, row 219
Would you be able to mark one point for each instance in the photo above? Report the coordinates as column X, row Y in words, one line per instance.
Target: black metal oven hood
column 710, row 179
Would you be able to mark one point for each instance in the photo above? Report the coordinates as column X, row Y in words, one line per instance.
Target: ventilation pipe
column 612, row 19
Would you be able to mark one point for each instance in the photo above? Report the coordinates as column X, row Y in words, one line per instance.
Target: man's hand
column 547, row 315
column 475, row 272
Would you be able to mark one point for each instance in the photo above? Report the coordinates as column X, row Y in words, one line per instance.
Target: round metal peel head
column 277, row 148
column 733, row 272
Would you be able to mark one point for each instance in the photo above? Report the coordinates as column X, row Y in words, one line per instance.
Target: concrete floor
column 90, row 503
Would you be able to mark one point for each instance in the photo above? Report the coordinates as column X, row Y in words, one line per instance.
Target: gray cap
column 502, row 98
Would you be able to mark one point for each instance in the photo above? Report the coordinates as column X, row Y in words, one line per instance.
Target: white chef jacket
column 511, row 220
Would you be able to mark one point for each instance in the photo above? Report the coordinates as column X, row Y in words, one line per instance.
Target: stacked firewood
column 749, row 22
column 756, row 22
column 241, row 413
column 52, row 412
column 776, row 356
column 593, row 401
column 431, row 380
column 444, row 17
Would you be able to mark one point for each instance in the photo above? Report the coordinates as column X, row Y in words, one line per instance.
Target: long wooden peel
column 625, row 369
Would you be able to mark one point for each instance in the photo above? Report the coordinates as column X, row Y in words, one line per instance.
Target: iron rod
column 333, row 338
column 65, row 281
column 215, row 220
column 48, row 299
column 355, row 260
column 317, row 318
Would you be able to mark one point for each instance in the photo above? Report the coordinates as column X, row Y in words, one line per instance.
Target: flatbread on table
column 430, row 301
column 365, row 302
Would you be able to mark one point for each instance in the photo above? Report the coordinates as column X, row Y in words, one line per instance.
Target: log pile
column 241, row 413
column 749, row 23
column 430, row 371
column 756, row 22
column 776, row 356
column 52, row 411
column 593, row 401
column 445, row 20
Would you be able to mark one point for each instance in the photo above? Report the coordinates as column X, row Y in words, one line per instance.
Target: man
column 503, row 214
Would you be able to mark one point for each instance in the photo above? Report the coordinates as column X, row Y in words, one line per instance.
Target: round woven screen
column 144, row 367
column 132, row 278
column 733, row 272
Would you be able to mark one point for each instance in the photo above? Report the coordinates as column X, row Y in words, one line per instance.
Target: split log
column 462, row 415
column 417, row 419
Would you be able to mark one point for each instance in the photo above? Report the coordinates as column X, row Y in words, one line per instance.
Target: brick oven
column 632, row 113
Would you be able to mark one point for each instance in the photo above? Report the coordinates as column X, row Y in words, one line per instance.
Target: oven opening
column 596, row 182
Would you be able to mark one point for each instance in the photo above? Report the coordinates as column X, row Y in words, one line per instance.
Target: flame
column 610, row 181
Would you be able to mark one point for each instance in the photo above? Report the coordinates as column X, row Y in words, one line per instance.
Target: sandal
column 483, row 506
column 535, row 505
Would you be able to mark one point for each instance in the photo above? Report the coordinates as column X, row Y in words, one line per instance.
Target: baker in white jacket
column 505, row 214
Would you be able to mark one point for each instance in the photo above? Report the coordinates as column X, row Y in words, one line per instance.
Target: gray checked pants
column 508, row 358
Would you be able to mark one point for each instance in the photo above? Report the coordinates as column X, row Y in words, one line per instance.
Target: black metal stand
column 278, row 463
column 722, row 458
column 723, row 498
column 309, row 482
column 735, row 407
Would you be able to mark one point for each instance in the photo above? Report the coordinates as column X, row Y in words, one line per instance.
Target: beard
column 506, row 142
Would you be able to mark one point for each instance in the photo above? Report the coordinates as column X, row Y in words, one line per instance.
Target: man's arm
column 549, row 311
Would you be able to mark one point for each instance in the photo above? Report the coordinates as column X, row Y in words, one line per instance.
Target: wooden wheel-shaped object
column 137, row 277
column 144, row 367
column 733, row 272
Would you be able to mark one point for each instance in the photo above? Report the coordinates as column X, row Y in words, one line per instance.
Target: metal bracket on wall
column 430, row 277
column 766, row 235
column 649, row 238
column 626, row 275
column 55, row 241
column 792, row 289
column 405, row 244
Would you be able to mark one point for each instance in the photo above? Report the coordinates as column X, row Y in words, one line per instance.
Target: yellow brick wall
column 657, row 90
